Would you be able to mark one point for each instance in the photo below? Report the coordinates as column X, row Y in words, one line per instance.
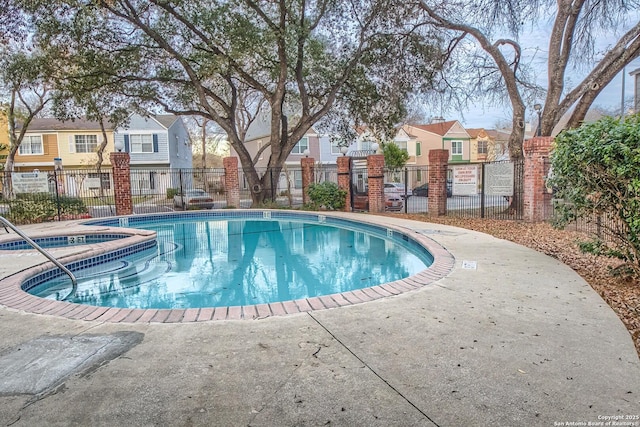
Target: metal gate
column 359, row 181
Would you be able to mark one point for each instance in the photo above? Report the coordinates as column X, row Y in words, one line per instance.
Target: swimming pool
column 200, row 249
column 202, row 261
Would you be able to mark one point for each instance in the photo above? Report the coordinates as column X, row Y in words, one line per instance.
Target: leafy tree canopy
column 239, row 62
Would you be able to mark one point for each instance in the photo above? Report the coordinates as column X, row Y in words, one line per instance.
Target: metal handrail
column 37, row 247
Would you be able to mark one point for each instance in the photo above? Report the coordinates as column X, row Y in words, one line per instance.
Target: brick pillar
column 307, row 164
column 536, row 152
column 231, row 181
column 438, row 162
column 344, row 177
column 121, row 183
column 375, row 171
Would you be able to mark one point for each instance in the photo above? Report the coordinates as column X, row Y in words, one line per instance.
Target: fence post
column 122, row 183
column 536, row 152
column 344, row 179
column 273, row 190
column 375, row 172
column 231, row 181
column 307, row 165
column 482, row 170
column 406, row 189
column 438, row 163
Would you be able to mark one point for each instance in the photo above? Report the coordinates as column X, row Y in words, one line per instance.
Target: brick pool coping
column 12, row 296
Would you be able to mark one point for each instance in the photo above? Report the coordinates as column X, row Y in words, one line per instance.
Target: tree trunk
column 100, row 153
column 204, row 154
column 9, row 166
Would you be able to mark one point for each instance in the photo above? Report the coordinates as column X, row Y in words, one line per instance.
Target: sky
column 536, row 40
column 610, row 98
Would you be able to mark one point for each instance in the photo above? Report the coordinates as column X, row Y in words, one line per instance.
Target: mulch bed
column 623, row 295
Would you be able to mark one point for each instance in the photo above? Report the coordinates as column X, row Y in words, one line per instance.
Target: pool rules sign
column 498, row 179
column 465, row 180
column 30, row 182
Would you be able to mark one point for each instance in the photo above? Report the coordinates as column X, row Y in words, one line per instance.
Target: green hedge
column 42, row 207
column 596, row 170
column 327, row 195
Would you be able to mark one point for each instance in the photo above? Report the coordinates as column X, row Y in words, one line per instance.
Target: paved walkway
column 520, row 340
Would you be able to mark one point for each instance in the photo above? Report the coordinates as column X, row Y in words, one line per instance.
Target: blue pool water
column 213, row 262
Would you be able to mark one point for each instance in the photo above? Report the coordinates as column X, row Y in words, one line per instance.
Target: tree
column 23, row 82
column 234, row 61
column 596, row 169
column 576, row 24
column 394, row 157
column 88, row 98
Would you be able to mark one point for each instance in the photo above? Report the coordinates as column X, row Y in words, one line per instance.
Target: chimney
column 438, row 119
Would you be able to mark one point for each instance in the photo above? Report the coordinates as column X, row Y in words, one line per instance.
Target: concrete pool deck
column 520, row 340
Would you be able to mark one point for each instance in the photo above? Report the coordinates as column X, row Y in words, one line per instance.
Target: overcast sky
column 610, row 98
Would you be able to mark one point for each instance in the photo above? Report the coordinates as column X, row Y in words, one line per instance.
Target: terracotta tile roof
column 474, row 132
column 440, row 128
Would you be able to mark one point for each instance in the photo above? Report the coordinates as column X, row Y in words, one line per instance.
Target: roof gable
column 477, row 133
column 440, row 128
column 165, row 120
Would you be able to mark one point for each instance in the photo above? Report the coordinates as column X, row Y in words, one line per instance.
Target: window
column 366, row 145
column 146, row 181
column 418, row 149
column 141, row 143
column 456, row 148
column 31, row 144
column 297, row 179
column 86, row 143
column 482, row 147
column 335, row 148
column 302, row 145
column 401, row 145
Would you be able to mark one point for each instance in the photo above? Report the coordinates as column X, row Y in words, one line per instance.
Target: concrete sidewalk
column 520, row 341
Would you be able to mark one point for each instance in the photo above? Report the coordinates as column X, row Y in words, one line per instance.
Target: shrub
column 33, row 208
column 171, row 192
column 327, row 195
column 596, row 170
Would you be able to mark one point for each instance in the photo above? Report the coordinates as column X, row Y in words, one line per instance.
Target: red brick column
column 375, row 170
column 438, row 162
column 231, row 181
column 307, row 164
column 121, row 183
column 344, row 168
column 536, row 153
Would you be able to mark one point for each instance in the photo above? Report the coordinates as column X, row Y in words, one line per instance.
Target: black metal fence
column 476, row 190
column 58, row 195
column 491, row 190
column 600, row 225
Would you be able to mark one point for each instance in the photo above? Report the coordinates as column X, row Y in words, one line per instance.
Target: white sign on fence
column 30, row 182
column 92, row 183
column 498, row 179
column 465, row 180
